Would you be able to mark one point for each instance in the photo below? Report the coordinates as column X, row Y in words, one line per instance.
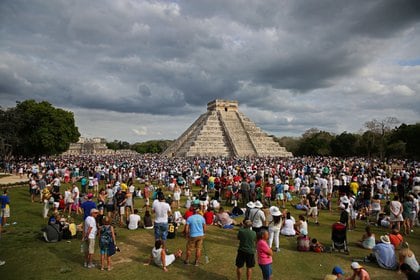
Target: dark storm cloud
column 297, row 60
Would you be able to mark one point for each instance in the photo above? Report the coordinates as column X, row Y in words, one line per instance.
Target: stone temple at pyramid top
column 223, row 105
column 223, row 131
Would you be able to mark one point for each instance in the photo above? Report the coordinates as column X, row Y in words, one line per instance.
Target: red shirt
column 209, row 217
column 395, row 239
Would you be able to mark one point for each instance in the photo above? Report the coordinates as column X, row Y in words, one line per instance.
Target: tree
column 315, row 143
column 381, row 128
column 344, row 144
column 34, row 129
column 408, row 135
column 152, row 146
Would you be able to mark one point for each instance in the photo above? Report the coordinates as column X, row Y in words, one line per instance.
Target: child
column 265, row 254
column 316, row 246
column 107, row 242
column 172, row 227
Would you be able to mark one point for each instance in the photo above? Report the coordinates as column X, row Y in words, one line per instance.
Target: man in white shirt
column 161, row 210
column 89, row 235
column 134, row 220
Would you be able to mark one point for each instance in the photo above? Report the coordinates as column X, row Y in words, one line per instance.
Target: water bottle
column 82, row 249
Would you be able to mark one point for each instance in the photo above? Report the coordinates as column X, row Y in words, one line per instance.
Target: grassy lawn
column 28, row 257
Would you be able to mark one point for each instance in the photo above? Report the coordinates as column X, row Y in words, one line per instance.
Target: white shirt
column 90, row 222
column 75, row 192
column 133, row 221
column 161, row 209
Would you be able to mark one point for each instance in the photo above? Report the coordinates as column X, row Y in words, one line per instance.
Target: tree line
column 381, row 139
column 34, row 129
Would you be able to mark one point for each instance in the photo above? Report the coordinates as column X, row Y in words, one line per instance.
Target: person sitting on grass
column 223, row 219
column 409, row 273
column 358, row 272
column 395, row 237
column 406, row 256
column 52, row 232
column 160, row 258
column 368, row 239
column 316, row 246
column 384, row 254
column 336, row 274
column 288, row 226
column 147, row 220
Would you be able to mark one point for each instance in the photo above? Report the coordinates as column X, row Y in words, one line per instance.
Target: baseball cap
column 337, row 270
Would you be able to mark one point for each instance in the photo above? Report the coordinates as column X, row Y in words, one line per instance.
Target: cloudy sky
column 138, row 70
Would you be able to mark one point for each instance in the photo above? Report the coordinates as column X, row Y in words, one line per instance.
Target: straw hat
column 385, row 239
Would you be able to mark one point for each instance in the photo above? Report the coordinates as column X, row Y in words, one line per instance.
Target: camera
column 117, row 249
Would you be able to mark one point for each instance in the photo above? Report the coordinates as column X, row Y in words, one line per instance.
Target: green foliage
column 118, row 145
column 408, row 135
column 378, row 141
column 35, row 129
column 344, row 144
column 315, row 143
column 152, row 146
column 290, row 143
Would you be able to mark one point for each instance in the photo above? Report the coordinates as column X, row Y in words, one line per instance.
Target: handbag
column 111, row 248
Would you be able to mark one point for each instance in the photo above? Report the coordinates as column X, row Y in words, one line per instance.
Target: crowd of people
column 113, row 190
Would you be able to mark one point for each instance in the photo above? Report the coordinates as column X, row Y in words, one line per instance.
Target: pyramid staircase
column 226, row 132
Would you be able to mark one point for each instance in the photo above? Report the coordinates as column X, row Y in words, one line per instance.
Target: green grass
column 28, row 257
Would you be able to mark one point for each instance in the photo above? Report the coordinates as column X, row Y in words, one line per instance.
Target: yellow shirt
column 124, row 187
column 354, row 187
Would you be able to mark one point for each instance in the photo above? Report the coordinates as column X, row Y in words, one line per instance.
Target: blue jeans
column 161, row 231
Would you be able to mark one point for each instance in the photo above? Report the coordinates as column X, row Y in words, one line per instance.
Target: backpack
column 106, row 237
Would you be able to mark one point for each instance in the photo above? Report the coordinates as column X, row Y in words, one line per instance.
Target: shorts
column 266, row 270
column 110, row 207
column 245, row 258
column 313, row 211
column 280, row 196
column 161, row 231
column 104, row 250
column 5, row 212
column 90, row 246
column 195, row 243
column 122, row 210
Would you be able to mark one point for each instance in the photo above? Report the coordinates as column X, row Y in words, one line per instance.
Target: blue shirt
column 279, row 188
column 385, row 255
column 4, row 199
column 196, row 223
column 87, row 206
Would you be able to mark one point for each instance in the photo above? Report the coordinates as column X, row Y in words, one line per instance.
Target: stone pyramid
column 226, row 132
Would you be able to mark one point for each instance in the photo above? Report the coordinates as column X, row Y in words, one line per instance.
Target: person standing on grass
column 161, row 210
column 265, row 255
column 246, row 251
column 88, row 205
column 195, row 230
column 5, row 207
column 89, row 235
column 106, row 241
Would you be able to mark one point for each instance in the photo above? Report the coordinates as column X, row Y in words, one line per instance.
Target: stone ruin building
column 224, row 131
column 93, row 146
